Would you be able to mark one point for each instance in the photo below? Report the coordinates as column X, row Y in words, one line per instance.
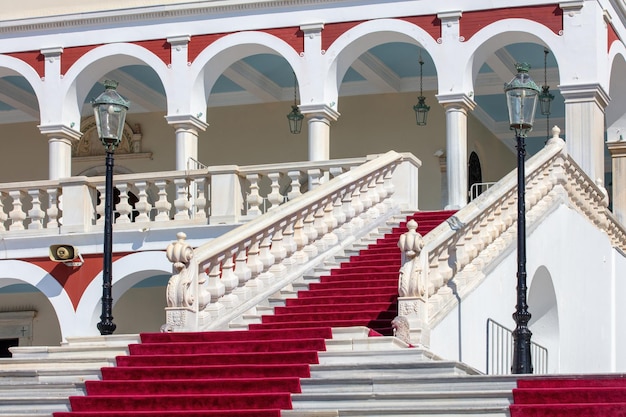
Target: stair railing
column 456, row 252
column 500, row 351
column 229, row 275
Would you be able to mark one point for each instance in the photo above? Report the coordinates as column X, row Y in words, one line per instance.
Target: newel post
column 411, row 325
column 78, row 202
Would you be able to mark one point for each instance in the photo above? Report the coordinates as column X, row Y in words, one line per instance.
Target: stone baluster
column 381, row 192
column 295, row 184
column 321, row 228
column 142, row 206
column 279, row 252
column 214, row 286
column 17, row 215
column 389, row 189
column 267, row 259
column 36, row 214
column 162, row 205
column 254, row 199
column 366, row 200
column 243, row 273
column 289, row 244
column 200, row 211
column 255, row 266
column 242, row 270
column 311, row 233
column 100, row 207
column 340, row 216
column 275, row 198
column 315, row 176
column 3, row 215
column 122, row 208
column 301, row 240
column 330, row 222
column 231, row 283
column 182, row 202
column 357, row 205
column 53, row 208
column 373, row 197
column 349, row 213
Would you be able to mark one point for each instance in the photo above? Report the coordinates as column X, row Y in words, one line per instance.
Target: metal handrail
column 500, row 351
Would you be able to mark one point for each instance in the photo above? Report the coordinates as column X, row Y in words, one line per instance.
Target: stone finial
column 411, row 242
column 179, row 252
column 555, row 139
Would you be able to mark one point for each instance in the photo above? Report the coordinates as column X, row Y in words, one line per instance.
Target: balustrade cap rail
column 231, row 241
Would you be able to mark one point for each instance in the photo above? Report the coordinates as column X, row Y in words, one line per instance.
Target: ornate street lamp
column 110, row 113
column 295, row 117
column 521, row 100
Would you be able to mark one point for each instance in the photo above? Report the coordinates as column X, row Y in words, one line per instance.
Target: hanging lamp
column 421, row 109
column 295, row 117
column 545, row 98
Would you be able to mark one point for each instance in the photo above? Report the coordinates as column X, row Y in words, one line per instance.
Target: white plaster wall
column 46, row 330
column 578, row 258
column 140, row 310
column 619, row 307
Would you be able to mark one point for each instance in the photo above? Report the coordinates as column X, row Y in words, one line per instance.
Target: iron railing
column 500, row 351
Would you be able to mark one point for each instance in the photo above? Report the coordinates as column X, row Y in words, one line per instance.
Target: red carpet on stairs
column 584, row 396
column 252, row 373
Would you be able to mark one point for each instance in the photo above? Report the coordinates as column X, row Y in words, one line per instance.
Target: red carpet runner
column 570, row 397
column 252, row 373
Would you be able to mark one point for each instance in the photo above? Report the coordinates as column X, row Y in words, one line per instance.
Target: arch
column 359, row 39
column 500, row 34
column 89, row 68
column 14, row 271
column 127, row 272
column 14, row 66
column 616, row 110
column 221, row 54
column 544, row 322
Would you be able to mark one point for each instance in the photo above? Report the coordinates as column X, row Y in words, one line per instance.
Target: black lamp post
column 110, row 113
column 521, row 100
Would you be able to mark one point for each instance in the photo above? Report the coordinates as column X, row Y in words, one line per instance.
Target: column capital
column 617, row 148
column 60, row 131
column 52, row 53
column 312, row 28
column 319, row 110
column 456, row 100
column 186, row 121
column 579, row 93
column 181, row 40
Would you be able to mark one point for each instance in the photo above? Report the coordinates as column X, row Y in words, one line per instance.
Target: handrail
column 475, row 236
column 500, row 351
column 216, row 279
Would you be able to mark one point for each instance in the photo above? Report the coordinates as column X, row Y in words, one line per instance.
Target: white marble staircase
column 38, row 380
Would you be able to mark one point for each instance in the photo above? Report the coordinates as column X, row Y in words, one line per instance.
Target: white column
column 584, row 126
column 59, row 150
column 319, row 118
column 54, row 126
column 187, row 128
column 456, row 106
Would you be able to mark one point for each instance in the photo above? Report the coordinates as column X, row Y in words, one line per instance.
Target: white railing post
column 225, row 195
column 78, row 200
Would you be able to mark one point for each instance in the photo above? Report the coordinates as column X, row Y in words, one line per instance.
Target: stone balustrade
column 461, row 248
column 215, row 195
column 227, row 277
